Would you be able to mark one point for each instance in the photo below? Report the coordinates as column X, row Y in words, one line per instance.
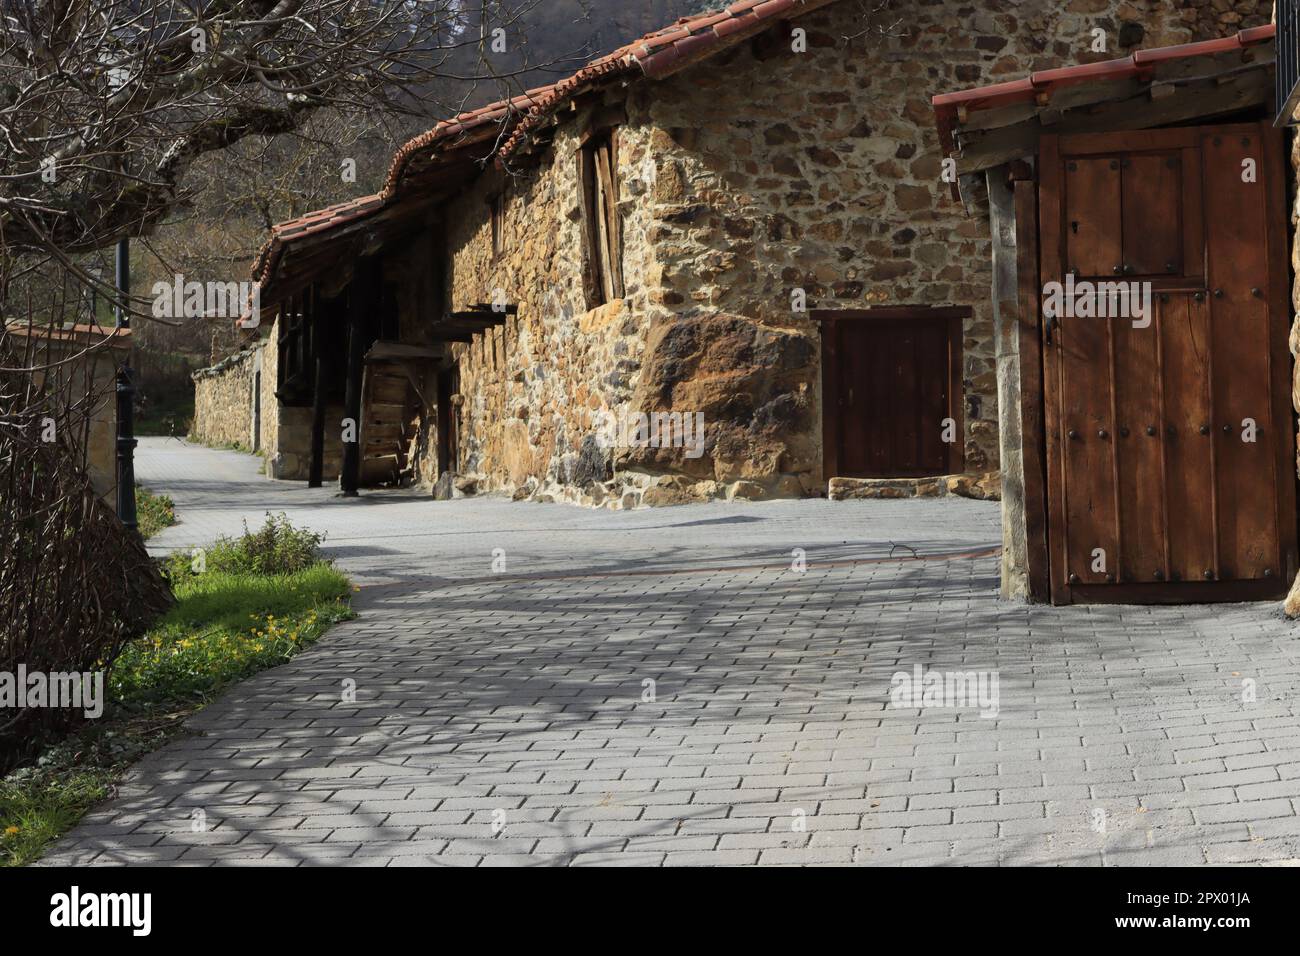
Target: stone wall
column 223, row 405
column 94, row 374
column 285, row 439
column 820, row 171
column 223, row 414
column 532, row 390
column 1215, row 18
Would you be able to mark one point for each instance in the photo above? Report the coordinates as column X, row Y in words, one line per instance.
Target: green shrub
column 275, row 548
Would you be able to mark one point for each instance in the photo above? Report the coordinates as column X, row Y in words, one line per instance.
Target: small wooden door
column 891, row 392
column 1170, row 463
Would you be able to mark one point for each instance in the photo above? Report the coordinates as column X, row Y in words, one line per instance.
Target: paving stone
column 521, row 693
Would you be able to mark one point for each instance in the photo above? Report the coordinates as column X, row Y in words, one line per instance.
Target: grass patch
column 153, row 512
column 225, row 626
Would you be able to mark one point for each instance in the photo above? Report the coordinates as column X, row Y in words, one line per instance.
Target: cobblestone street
column 661, row 687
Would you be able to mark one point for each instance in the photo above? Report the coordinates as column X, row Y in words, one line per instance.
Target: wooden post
column 1032, row 426
column 360, row 296
column 315, row 476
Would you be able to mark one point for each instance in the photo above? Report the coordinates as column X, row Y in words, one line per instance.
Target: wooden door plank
column 1193, row 214
column 1281, row 362
column 875, row 393
column 1092, row 216
column 904, row 390
column 1152, row 189
column 1120, row 141
column 1239, row 322
column 1189, row 488
column 1088, row 447
column 831, row 411
column 855, row 432
column 932, row 408
column 954, row 399
column 1140, row 479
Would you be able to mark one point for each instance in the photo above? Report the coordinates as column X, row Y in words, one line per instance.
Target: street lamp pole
column 125, row 394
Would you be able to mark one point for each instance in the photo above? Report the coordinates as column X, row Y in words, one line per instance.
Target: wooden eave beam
column 1197, row 99
column 486, row 308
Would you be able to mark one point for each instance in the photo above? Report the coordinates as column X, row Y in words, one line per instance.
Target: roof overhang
column 80, row 335
column 988, row 126
column 442, row 161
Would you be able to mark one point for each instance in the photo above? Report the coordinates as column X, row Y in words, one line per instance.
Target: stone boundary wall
column 223, row 401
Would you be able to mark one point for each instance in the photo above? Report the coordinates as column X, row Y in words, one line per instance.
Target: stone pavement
column 660, row 687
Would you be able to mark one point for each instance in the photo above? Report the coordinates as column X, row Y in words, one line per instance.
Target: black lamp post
column 125, row 394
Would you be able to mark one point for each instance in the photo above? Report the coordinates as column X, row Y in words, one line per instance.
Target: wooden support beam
column 361, row 295
column 489, row 309
column 1033, row 438
column 316, row 470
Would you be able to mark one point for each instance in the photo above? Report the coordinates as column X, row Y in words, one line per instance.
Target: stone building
column 744, row 219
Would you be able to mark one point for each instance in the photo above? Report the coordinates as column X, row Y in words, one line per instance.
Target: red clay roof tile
column 946, row 105
column 655, row 55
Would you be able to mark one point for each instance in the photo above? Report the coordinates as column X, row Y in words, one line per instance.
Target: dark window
column 293, row 385
column 498, row 204
column 602, row 229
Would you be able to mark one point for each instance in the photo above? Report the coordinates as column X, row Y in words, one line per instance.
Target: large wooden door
column 1170, row 464
column 891, row 392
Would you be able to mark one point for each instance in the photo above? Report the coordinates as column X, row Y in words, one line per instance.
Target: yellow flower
column 10, row 831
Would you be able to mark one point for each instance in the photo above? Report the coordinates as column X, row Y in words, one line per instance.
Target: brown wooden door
column 891, row 384
column 1170, row 463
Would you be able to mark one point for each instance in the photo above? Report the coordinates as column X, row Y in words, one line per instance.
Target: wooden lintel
column 489, row 309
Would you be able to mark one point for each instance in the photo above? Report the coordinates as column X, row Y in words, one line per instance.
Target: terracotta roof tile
column 320, row 220
column 81, row 333
column 656, row 55
column 947, row 105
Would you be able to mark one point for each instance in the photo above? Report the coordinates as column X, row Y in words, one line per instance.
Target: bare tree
column 106, row 104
